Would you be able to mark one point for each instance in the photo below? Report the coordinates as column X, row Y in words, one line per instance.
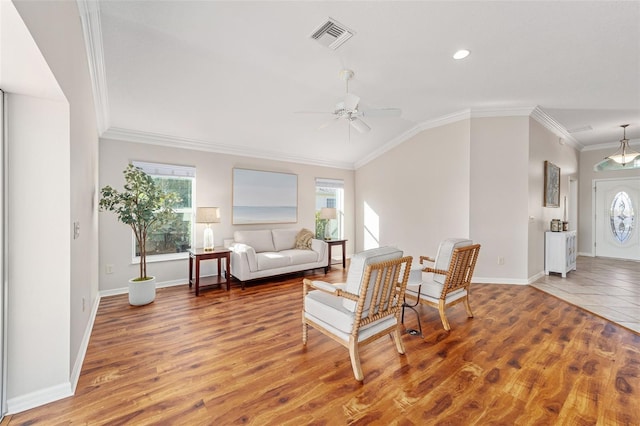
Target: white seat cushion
column 299, row 256
column 272, row 259
column 445, row 251
column 328, row 311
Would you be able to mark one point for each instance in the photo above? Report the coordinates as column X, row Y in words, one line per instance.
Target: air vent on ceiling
column 332, row 34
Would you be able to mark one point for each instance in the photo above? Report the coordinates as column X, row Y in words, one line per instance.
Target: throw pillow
column 303, row 239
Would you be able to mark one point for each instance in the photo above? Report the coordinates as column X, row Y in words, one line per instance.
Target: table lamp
column 328, row 213
column 208, row 215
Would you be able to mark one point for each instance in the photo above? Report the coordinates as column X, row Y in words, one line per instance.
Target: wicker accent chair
column 363, row 309
column 452, row 273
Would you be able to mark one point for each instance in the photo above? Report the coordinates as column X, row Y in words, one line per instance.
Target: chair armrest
column 435, row 271
column 427, row 258
column 327, row 288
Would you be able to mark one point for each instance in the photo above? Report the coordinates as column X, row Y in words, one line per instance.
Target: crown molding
column 553, row 126
column 634, row 143
column 91, row 28
column 128, row 135
column 420, row 127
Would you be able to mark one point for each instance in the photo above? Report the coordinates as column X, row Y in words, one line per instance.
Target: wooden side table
column 332, row 243
column 218, row 254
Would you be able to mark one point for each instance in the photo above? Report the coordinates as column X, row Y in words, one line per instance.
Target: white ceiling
column 229, row 76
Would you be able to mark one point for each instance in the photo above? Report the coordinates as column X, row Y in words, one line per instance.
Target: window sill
column 162, row 257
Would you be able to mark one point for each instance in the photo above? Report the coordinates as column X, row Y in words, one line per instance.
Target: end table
column 217, row 254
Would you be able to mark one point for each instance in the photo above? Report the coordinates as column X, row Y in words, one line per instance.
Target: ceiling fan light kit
column 349, row 108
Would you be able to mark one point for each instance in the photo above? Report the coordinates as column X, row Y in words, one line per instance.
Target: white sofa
column 265, row 253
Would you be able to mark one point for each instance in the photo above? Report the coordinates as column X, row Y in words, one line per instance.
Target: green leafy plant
column 142, row 205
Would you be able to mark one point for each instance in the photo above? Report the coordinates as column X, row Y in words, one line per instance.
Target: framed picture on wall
column 551, row 185
column 264, row 197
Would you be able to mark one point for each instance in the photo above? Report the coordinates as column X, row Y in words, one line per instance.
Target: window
column 174, row 237
column 621, row 217
column 330, row 193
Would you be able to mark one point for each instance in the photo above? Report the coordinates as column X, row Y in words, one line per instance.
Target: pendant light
column 623, row 159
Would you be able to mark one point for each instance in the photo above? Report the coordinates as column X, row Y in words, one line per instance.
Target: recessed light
column 461, row 54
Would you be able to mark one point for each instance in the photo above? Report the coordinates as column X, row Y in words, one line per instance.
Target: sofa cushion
column 303, row 239
column 284, row 239
column 359, row 263
column 298, row 257
column 260, row 240
column 272, row 259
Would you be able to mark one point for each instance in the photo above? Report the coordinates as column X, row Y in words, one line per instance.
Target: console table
column 331, row 243
column 217, row 254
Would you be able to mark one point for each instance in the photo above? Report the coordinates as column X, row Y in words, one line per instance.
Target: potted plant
column 145, row 207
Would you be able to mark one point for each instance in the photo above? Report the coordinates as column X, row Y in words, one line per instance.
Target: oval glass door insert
column 622, row 217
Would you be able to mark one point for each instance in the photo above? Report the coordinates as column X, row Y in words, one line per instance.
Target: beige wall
column 416, row 194
column 213, row 188
column 546, row 146
column 587, row 177
column 479, row 178
column 499, row 191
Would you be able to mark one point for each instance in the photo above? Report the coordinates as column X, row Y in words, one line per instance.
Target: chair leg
column 397, row 338
column 355, row 359
column 443, row 316
column 304, row 330
column 468, row 306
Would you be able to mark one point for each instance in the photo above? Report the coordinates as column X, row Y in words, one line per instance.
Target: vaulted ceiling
column 232, row 76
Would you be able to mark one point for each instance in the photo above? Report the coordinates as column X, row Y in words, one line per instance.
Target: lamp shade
column 328, row 213
column 208, row 215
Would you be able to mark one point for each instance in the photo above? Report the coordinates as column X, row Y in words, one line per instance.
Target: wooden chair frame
column 458, row 276
column 386, row 300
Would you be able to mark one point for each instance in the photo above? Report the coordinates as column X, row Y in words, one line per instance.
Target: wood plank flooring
column 225, row 358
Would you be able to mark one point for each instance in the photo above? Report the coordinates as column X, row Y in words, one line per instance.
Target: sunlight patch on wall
column 371, row 228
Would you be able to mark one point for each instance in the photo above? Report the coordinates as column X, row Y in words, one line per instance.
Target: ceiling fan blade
column 359, row 125
column 351, row 101
column 381, row 112
column 328, row 123
column 313, row 112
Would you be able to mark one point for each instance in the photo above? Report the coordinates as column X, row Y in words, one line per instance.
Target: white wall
column 213, row 188
column 585, row 192
column 71, row 168
column 38, row 237
column 417, row 193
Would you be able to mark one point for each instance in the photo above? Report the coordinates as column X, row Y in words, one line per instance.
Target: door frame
column 593, row 207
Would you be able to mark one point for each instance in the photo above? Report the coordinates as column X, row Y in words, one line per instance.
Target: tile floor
column 609, row 288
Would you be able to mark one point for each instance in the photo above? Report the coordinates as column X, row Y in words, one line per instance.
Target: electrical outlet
column 76, row 230
column 500, row 260
column 108, row 269
column 83, row 304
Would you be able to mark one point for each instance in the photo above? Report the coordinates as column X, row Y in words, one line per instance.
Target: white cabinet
column 560, row 252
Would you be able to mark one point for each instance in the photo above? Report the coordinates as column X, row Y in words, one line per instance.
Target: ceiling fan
column 348, row 109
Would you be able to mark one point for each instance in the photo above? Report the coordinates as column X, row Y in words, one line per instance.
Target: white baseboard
column 38, row 398
column 82, row 351
column 163, row 284
column 484, row 280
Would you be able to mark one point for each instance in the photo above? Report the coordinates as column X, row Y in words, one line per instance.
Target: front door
column 617, row 233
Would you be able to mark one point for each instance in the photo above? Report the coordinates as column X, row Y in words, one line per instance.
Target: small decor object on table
column 145, row 207
column 328, row 214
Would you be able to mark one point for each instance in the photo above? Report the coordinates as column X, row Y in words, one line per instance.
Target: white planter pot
column 142, row 292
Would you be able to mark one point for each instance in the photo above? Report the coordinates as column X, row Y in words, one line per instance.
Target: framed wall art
column 264, row 197
column 551, row 185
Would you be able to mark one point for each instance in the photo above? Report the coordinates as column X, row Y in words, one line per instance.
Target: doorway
column 616, row 218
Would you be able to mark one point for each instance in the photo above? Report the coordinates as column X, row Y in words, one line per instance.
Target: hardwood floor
column 237, row 358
